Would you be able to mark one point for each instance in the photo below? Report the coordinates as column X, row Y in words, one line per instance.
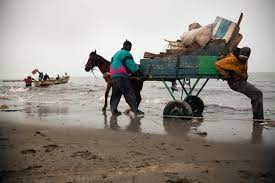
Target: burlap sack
column 200, row 35
column 194, row 25
column 204, row 35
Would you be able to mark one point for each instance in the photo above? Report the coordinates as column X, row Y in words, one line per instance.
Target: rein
column 92, row 70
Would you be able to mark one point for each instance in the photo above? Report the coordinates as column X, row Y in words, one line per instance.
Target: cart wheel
column 196, row 104
column 177, row 108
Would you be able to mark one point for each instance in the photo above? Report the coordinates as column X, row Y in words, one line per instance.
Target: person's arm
column 222, row 67
column 224, row 73
column 131, row 64
column 241, row 75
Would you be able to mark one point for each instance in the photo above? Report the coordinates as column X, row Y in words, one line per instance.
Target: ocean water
column 227, row 114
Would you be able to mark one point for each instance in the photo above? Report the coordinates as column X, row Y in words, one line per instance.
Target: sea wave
column 49, row 102
column 83, row 93
column 217, row 106
column 269, row 111
column 4, row 97
column 16, row 90
column 155, row 101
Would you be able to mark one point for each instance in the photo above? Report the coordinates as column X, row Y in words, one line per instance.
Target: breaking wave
column 16, row 90
column 216, row 106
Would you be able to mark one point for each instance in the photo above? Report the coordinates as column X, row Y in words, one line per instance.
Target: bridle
column 95, row 62
column 92, row 63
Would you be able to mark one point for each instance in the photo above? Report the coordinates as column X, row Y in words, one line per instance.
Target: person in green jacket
column 122, row 65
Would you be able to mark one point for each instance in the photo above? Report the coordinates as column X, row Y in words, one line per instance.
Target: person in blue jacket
column 122, row 65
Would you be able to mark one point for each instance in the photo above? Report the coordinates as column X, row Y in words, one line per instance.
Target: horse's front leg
column 109, row 85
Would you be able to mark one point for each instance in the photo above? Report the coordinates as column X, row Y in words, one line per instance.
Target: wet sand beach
column 61, row 153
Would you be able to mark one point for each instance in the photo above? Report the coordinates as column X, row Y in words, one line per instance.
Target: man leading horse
column 122, row 66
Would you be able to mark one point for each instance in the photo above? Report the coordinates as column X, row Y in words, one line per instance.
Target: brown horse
column 104, row 65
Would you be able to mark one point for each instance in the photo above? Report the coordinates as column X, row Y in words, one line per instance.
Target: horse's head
column 92, row 61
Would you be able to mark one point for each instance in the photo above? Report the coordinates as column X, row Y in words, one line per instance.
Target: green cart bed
column 182, row 68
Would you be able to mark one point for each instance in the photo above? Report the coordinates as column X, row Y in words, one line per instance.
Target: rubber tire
column 196, row 104
column 177, row 108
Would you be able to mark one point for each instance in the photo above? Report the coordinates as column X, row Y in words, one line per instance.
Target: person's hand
column 225, row 75
column 242, row 75
column 140, row 73
column 223, row 78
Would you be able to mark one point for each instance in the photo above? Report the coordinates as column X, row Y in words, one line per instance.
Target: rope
column 92, row 70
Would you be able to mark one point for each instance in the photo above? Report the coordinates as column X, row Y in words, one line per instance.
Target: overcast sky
column 57, row 35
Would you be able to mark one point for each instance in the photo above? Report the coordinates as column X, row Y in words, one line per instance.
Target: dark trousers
column 122, row 86
column 253, row 93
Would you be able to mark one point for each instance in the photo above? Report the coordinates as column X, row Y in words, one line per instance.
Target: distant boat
column 61, row 80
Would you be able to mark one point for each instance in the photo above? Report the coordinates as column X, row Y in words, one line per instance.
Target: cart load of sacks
column 217, row 38
column 190, row 60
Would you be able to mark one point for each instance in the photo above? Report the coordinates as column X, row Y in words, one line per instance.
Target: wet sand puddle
column 209, row 128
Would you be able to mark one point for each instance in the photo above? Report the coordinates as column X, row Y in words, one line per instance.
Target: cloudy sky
column 57, row 35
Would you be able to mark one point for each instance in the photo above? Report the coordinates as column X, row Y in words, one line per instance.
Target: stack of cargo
column 217, row 38
column 193, row 56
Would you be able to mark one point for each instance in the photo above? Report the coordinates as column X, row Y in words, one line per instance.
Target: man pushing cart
column 195, row 56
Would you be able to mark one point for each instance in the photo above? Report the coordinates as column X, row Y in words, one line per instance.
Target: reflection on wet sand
column 105, row 119
column 257, row 132
column 113, row 122
column 133, row 126
column 43, row 111
column 172, row 126
column 180, row 127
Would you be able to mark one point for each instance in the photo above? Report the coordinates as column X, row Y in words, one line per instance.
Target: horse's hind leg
column 109, row 85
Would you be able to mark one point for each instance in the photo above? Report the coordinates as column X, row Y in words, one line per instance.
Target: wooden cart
column 200, row 65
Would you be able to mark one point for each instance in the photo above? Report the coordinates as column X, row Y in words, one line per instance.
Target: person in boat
column 46, row 77
column 28, row 81
column 41, row 76
column 58, row 77
column 233, row 68
column 65, row 75
column 122, row 65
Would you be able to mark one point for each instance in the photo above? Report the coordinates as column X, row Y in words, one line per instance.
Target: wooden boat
column 62, row 80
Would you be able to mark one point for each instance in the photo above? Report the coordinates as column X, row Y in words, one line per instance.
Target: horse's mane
column 102, row 58
column 105, row 64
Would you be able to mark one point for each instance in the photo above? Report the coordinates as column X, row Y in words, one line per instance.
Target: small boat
column 52, row 81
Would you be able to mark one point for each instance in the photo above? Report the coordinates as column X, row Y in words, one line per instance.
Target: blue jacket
column 122, row 64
